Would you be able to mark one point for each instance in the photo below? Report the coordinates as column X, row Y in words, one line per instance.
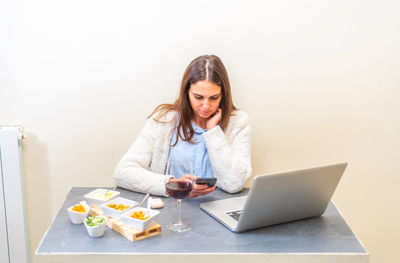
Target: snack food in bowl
column 139, row 215
column 95, row 225
column 99, row 196
column 140, row 218
column 117, row 206
column 77, row 213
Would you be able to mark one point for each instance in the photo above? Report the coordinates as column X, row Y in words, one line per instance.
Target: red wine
column 179, row 189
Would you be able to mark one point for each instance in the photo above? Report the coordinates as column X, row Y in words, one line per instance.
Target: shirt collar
column 197, row 128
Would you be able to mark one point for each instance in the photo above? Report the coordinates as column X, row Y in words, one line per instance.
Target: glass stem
column 179, row 211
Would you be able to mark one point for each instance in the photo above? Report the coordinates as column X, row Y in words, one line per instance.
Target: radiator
column 14, row 246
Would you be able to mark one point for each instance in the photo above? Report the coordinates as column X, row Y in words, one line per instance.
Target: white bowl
column 119, row 200
column 78, row 217
column 138, row 223
column 95, row 231
column 99, row 196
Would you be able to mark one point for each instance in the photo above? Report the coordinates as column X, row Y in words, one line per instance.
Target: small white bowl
column 95, row 231
column 119, row 200
column 99, row 196
column 138, row 223
column 78, row 217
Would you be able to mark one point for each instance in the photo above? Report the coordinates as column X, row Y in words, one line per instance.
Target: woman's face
column 205, row 98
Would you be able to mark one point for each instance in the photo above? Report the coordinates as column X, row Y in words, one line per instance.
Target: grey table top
column 328, row 233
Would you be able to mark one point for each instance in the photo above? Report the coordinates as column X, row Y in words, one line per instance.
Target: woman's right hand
column 198, row 189
column 214, row 119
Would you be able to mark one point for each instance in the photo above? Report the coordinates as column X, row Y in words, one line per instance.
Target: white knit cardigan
column 142, row 168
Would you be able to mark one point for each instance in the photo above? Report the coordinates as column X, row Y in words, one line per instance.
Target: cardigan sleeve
column 230, row 155
column 133, row 171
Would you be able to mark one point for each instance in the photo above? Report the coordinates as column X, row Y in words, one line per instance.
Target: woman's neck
column 201, row 122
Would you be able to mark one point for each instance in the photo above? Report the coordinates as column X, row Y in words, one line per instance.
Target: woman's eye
column 199, row 98
column 214, row 98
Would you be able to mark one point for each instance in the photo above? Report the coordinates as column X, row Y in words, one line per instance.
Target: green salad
column 94, row 221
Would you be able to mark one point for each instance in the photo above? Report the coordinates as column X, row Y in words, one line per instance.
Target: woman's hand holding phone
column 214, row 119
column 198, row 189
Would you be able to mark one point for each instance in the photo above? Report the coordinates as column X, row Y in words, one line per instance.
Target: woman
column 202, row 124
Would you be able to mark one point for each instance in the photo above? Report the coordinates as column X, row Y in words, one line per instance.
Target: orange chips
column 79, row 208
column 139, row 215
column 119, row 207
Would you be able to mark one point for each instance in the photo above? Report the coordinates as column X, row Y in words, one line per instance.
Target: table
column 323, row 239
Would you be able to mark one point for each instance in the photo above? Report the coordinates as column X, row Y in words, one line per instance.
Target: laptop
column 279, row 198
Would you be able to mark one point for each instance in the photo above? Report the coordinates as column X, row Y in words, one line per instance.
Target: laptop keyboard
column 235, row 214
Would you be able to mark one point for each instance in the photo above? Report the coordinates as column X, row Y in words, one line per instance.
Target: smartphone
column 208, row 181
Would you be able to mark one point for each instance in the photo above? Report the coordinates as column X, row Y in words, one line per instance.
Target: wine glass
column 178, row 187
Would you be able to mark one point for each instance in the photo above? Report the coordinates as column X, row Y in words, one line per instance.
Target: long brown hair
column 207, row 67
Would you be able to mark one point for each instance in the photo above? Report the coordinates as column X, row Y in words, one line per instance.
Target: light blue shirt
column 197, row 154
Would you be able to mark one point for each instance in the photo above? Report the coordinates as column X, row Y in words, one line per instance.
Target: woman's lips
column 205, row 112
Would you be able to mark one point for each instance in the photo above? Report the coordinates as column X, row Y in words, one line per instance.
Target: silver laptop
column 279, row 198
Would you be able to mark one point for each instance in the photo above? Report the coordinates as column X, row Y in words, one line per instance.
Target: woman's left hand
column 198, row 189
column 214, row 119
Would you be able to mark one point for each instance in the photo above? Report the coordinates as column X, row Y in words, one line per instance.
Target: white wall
column 320, row 80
